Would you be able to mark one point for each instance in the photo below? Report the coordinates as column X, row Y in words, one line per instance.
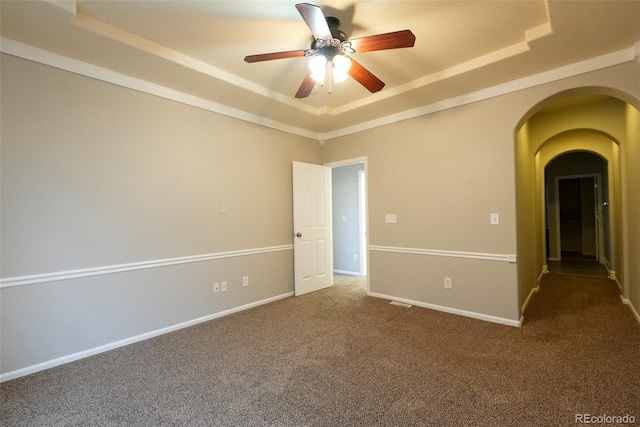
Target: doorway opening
column 577, row 225
column 349, row 215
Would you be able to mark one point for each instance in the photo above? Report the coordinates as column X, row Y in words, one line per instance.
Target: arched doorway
column 595, row 120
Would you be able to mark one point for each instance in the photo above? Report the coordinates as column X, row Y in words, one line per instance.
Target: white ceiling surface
column 197, row 48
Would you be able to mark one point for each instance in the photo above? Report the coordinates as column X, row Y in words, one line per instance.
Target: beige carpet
column 339, row 358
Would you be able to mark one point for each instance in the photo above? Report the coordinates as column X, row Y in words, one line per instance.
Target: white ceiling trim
column 117, row 34
column 145, row 45
column 592, row 64
column 473, row 64
column 32, row 53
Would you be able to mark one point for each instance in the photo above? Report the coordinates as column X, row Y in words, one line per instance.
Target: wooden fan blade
column 395, row 40
column 306, row 87
column 365, row 77
column 274, row 55
column 315, row 20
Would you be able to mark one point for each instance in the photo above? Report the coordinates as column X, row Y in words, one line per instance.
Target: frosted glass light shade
column 318, row 68
column 341, row 66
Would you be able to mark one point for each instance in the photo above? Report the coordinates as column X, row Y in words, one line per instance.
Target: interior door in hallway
column 313, row 246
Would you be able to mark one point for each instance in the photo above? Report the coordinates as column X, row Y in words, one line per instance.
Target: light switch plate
column 495, row 218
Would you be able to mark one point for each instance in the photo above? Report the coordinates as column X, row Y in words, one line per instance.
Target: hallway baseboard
column 633, row 309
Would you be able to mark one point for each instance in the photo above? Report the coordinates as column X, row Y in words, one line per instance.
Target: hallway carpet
column 339, row 358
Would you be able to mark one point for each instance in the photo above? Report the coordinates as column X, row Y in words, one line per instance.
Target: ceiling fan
column 331, row 48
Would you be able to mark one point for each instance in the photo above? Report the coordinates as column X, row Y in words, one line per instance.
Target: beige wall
column 443, row 174
column 95, row 175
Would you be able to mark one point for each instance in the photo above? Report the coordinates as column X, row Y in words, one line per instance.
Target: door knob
column 299, row 235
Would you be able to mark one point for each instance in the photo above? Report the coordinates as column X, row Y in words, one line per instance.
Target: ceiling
column 197, row 48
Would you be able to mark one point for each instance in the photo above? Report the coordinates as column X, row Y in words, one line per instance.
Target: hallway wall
column 631, row 173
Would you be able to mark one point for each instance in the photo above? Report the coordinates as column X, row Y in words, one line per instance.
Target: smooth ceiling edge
column 44, row 57
column 41, row 56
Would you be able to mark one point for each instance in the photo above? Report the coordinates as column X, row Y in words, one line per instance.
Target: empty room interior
column 173, row 166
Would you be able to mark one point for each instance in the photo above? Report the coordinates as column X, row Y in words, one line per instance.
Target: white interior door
column 312, row 241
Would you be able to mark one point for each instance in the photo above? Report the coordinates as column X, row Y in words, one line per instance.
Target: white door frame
column 365, row 218
column 362, row 205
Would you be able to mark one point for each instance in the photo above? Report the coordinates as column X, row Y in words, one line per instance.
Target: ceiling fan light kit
column 330, row 50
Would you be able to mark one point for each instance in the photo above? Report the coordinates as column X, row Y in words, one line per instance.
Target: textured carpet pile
column 339, row 358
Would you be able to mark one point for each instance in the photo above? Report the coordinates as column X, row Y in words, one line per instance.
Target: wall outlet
column 390, row 218
column 245, row 281
column 223, row 286
column 216, row 287
column 447, row 282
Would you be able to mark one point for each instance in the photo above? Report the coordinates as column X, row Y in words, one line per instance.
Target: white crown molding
column 41, row 56
column 465, row 67
column 111, row 346
column 31, row 53
column 449, row 254
column 148, row 46
column 176, row 57
column 110, row 269
column 451, row 310
column 571, row 70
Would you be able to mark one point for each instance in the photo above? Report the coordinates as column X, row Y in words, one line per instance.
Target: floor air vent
column 400, row 304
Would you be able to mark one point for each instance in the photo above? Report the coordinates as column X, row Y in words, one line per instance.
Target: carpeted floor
column 339, row 358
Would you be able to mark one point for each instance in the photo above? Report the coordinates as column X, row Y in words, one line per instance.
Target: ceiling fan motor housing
column 330, row 48
column 336, row 32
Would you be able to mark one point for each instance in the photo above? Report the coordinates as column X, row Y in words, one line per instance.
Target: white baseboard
column 544, row 271
column 526, row 302
column 633, row 309
column 612, row 276
column 465, row 313
column 111, row 346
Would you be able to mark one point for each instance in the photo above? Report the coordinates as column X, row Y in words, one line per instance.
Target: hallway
column 578, row 265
